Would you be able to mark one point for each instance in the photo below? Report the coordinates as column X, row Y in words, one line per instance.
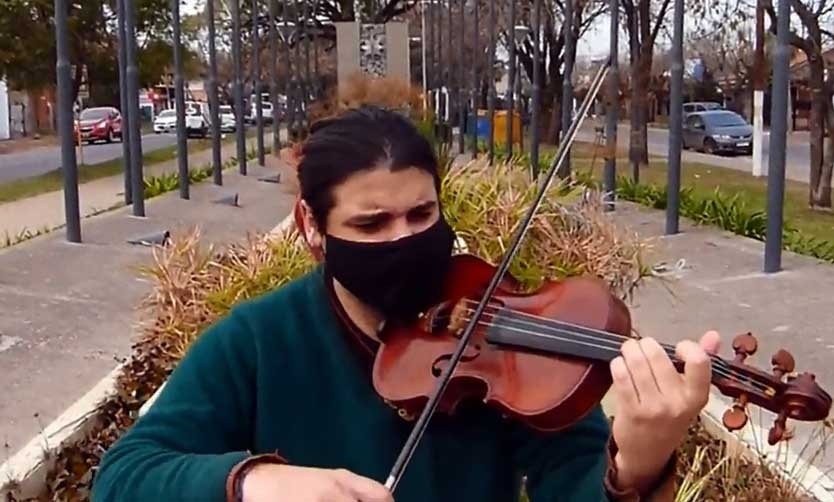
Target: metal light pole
column 451, row 90
column 214, row 101
column 462, row 81
column 491, row 82
column 610, row 174
column 300, row 99
column 778, row 140
column 511, row 79
column 137, row 177
column 567, row 84
column 318, row 86
column 273, row 76
column 476, row 84
column 537, row 87
column 307, row 70
column 256, row 81
column 423, row 44
column 240, row 127
column 286, row 31
column 123, row 101
column 431, row 55
column 66, row 128
column 179, row 96
column 675, row 123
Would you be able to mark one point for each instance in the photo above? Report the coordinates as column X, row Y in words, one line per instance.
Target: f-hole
column 438, row 365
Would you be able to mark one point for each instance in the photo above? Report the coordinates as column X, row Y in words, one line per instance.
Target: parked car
column 197, row 122
column 718, row 131
column 98, row 124
column 701, row 106
column 228, row 122
column 166, row 121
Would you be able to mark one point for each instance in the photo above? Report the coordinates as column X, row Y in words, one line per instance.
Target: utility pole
column 758, row 94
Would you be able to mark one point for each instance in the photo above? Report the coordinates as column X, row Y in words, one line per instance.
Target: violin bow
column 443, row 380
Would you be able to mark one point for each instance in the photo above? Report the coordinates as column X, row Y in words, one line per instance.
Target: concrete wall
column 397, row 57
column 5, row 131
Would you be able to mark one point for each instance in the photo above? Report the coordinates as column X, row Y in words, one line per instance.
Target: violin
column 542, row 356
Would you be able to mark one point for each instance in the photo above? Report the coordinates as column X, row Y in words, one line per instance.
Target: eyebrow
column 382, row 214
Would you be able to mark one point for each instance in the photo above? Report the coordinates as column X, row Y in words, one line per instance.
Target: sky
column 593, row 44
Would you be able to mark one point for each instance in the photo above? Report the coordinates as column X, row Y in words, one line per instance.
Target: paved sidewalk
column 722, row 287
column 46, row 211
column 68, row 310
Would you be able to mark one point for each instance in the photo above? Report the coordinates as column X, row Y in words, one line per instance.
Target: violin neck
column 557, row 338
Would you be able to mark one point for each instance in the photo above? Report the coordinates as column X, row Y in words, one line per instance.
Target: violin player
column 275, row 402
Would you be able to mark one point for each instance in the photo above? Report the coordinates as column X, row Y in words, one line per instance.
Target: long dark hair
column 359, row 139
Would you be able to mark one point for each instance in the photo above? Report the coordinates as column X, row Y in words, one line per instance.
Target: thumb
column 711, row 342
column 364, row 489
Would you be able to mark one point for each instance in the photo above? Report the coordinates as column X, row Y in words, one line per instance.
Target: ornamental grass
column 193, row 285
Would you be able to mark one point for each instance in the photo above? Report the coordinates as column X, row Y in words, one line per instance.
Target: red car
column 99, row 124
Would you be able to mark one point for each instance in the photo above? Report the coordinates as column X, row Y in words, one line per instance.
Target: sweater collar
column 362, row 344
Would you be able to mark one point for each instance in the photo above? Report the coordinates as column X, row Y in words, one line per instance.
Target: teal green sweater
column 282, row 373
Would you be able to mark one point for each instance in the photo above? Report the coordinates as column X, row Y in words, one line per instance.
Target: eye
column 421, row 214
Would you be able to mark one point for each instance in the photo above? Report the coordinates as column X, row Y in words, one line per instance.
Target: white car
column 166, row 121
column 227, row 119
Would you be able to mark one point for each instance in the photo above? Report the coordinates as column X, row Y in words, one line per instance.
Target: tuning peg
column 744, row 345
column 778, row 432
column 783, row 363
column 736, row 417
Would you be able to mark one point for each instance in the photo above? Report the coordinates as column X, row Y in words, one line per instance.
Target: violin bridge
column 459, row 317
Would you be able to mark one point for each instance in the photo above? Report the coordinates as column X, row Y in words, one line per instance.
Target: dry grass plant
column 193, row 286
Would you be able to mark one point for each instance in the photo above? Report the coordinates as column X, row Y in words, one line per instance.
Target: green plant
column 731, row 213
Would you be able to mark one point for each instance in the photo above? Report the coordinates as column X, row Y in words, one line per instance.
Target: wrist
column 639, row 475
column 243, row 471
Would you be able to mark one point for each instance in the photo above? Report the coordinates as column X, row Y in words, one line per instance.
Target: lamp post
column 273, row 76
column 567, row 84
column 240, row 127
column 66, row 127
column 476, row 84
column 511, row 39
column 214, row 102
column 256, row 81
column 286, row 30
column 520, row 33
column 179, row 98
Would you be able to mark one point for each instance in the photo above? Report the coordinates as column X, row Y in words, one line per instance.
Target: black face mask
column 398, row 278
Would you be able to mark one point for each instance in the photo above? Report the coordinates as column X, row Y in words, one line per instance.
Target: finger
column 640, row 371
column 696, row 370
column 364, row 489
column 624, row 390
column 667, row 378
column 711, row 342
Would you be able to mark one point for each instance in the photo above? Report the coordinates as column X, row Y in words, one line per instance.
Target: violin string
column 590, row 332
column 720, row 366
column 613, row 350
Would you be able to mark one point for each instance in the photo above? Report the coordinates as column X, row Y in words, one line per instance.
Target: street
column 41, row 160
column 798, row 153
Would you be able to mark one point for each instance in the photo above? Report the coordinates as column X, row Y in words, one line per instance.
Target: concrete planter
column 25, row 472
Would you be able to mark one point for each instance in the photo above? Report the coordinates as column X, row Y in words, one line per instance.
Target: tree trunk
column 638, row 148
column 823, row 195
column 816, row 128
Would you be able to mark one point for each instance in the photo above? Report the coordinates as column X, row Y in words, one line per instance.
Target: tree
column 815, row 16
column 27, row 44
column 552, row 50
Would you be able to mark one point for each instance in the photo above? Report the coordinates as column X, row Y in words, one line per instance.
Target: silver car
column 718, row 131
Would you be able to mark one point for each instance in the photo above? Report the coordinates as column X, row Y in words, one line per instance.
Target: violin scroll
column 783, row 392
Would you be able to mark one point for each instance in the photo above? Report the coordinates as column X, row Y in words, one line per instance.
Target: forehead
column 381, row 189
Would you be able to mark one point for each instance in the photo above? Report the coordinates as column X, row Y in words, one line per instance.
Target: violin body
column 501, row 366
